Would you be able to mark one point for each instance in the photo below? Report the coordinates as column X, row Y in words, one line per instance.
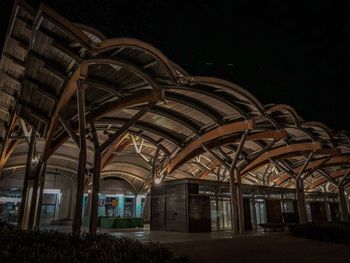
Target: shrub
column 53, row 246
column 338, row 233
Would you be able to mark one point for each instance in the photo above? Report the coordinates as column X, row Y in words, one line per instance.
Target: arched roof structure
column 166, row 117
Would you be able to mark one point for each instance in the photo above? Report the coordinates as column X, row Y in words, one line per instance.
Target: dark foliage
column 52, row 246
column 337, row 233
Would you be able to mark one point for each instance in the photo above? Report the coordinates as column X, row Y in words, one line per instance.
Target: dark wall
column 199, row 219
column 175, row 204
column 168, row 207
column 157, row 217
column 318, row 212
column 179, row 207
column 273, row 211
column 335, row 211
column 247, row 216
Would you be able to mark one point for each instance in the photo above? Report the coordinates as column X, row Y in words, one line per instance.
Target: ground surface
column 281, row 248
column 256, row 247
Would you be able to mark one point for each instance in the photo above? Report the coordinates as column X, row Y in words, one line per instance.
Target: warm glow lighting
column 35, row 159
column 157, row 180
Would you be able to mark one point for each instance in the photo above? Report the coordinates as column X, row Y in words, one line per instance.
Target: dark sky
column 290, row 52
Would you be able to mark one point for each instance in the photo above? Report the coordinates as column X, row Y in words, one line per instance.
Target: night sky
column 298, row 53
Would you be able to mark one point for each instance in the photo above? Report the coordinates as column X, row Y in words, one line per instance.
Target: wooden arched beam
column 204, row 173
column 323, row 180
column 228, row 141
column 298, row 148
column 68, row 91
column 335, row 160
column 310, row 168
column 188, row 151
column 81, row 72
column 117, row 146
column 195, row 147
column 211, row 81
column 283, row 107
column 64, row 24
column 115, row 43
column 319, row 163
column 168, row 134
column 139, row 134
column 135, row 99
column 208, row 110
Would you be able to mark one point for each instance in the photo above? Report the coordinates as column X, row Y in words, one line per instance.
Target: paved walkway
column 171, row 237
column 252, row 247
column 144, row 234
column 271, row 248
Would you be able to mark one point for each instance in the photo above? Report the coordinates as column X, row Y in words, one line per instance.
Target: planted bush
column 53, row 246
column 338, row 233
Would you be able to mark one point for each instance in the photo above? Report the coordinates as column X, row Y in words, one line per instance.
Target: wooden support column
column 240, row 207
column 217, row 208
column 298, row 196
column 155, row 164
column 299, row 184
column 237, row 212
column 343, row 204
column 34, row 197
column 24, row 208
column 234, row 203
column 95, row 182
column 103, row 153
column 254, row 212
column 40, row 195
column 77, row 219
column 301, row 201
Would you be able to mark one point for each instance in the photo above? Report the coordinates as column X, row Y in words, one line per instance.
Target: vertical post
column 237, row 185
column 233, row 190
column 301, row 201
column 34, row 198
column 254, row 212
column 217, row 208
column 135, row 205
column 77, row 219
column 343, row 204
column 299, row 183
column 24, row 205
column 40, row 195
column 87, row 208
column 298, row 196
column 240, row 207
column 95, row 182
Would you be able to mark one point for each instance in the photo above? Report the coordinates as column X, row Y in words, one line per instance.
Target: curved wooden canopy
column 45, row 56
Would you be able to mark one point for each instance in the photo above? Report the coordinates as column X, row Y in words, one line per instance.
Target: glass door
column 214, row 213
column 225, row 213
column 260, row 211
